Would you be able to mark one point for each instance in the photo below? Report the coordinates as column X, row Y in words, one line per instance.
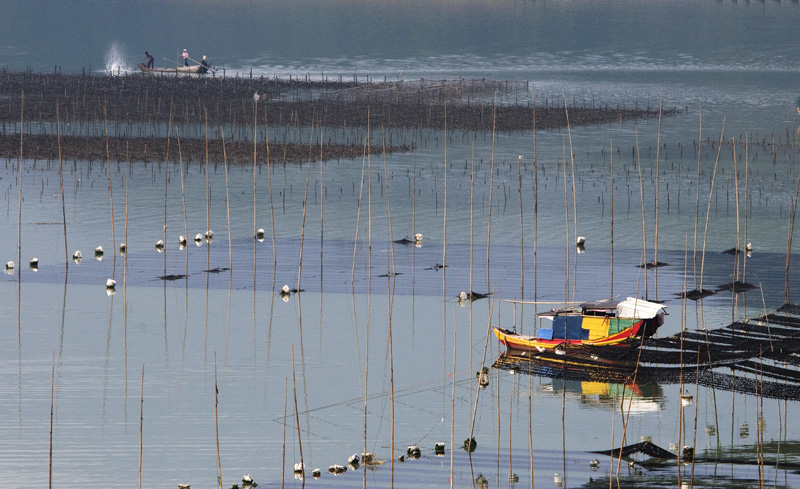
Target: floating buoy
column 182, row 240
column 77, row 256
column 209, row 235
column 462, row 296
column 688, row 453
column 247, row 480
column 316, row 473
column 160, row 245
column 470, row 444
column 367, row 458
column 285, row 290
column 260, row 234
column 183, row 486
column 438, row 449
column 749, row 247
column 98, row 251
column 414, row 452
column 337, row 469
column 483, row 377
column 198, row 237
column 9, row 265
column 34, row 264
column 594, row 463
column 353, row 459
column 122, row 248
column 580, row 240
column 418, row 238
column 298, row 467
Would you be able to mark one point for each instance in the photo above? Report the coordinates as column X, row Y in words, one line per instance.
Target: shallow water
column 728, row 64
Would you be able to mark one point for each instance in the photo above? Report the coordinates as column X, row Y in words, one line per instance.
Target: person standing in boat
column 148, row 59
column 203, row 66
column 185, row 58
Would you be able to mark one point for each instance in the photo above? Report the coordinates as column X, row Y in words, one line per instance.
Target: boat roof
column 631, row 307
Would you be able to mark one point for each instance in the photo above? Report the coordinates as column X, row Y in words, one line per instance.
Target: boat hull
column 179, row 69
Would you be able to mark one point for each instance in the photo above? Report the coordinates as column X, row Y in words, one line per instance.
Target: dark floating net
column 758, row 356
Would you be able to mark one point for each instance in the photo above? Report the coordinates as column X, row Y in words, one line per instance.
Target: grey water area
column 731, row 67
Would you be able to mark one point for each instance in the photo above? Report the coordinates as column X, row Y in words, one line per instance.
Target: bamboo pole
column 708, row 210
column 61, row 184
column 228, row 201
column 52, row 389
column 283, row 445
column 108, row 172
column 216, row 421
column 19, row 171
column 141, row 428
column 296, row 413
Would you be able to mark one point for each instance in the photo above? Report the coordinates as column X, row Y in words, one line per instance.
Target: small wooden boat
column 178, row 69
column 598, row 323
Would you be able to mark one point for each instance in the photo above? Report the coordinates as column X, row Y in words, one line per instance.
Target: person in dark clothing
column 203, row 66
column 149, row 59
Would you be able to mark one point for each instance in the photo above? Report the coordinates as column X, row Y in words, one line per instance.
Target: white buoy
column 98, row 251
column 123, row 248
column 298, row 467
column 316, row 473
column 418, row 238
column 209, row 234
column 34, row 264
column 10, row 265
column 580, row 240
column 462, row 296
column 260, row 233
column 160, row 244
column 111, row 283
column 182, row 240
column 247, row 480
column 285, row 289
column 198, row 237
column 77, row 256
column 749, row 247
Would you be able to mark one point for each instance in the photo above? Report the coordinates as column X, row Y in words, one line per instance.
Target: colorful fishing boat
column 594, row 323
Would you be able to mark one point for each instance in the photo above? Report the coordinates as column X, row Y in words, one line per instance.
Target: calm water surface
column 730, row 65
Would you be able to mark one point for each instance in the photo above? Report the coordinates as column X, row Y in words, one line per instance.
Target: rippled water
column 724, row 63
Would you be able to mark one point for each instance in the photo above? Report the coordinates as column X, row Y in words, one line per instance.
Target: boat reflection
column 592, row 382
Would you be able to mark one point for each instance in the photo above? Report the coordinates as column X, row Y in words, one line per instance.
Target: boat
column 593, row 323
column 178, row 69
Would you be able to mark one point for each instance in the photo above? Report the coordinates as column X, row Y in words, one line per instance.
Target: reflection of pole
column 297, row 415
